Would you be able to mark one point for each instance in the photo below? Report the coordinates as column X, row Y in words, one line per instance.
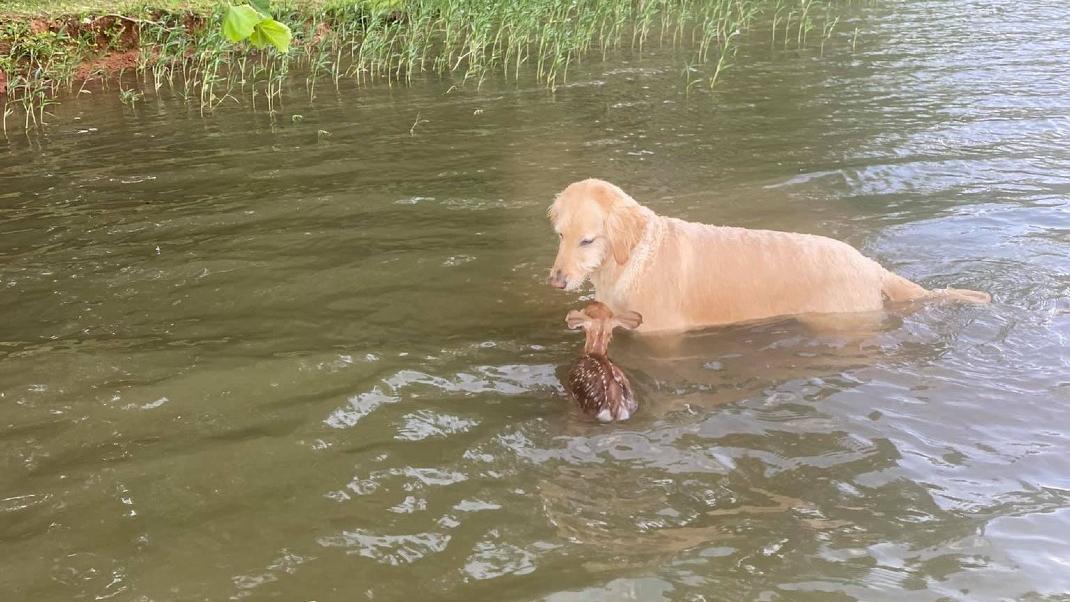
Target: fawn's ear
column 629, row 319
column 576, row 319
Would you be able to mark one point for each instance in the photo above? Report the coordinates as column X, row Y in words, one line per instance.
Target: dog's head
column 598, row 322
column 596, row 222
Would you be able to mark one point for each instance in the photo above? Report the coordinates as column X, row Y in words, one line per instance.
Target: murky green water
column 241, row 359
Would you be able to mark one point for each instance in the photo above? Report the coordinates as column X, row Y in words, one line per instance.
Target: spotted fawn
column 596, row 384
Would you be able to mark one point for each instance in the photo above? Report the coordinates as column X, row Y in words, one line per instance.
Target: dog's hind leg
column 853, row 325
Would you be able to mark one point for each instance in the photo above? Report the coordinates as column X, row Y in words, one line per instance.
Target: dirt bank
column 83, row 47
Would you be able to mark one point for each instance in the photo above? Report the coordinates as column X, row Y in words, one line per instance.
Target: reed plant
column 389, row 41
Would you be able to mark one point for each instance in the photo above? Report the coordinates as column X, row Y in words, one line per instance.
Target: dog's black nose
column 557, row 279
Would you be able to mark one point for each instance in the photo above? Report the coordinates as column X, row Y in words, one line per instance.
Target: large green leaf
column 270, row 31
column 262, row 6
column 240, row 21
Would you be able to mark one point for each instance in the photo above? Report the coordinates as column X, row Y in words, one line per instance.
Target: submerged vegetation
column 185, row 47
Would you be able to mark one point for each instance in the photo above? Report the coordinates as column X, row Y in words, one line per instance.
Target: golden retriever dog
column 681, row 275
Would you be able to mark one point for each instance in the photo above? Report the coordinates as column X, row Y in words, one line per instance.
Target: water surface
column 243, row 358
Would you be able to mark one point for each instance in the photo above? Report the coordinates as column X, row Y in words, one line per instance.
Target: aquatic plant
column 193, row 52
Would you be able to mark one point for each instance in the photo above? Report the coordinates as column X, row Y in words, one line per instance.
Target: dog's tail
column 961, row 295
column 900, row 290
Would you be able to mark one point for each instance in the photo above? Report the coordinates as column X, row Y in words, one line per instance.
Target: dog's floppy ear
column 629, row 319
column 625, row 226
column 576, row 319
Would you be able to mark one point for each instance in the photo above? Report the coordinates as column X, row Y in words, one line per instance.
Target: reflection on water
column 241, row 360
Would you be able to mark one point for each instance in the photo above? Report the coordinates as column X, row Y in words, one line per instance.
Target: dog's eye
column 586, row 241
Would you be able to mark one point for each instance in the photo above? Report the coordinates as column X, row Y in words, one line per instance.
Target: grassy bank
column 51, row 48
